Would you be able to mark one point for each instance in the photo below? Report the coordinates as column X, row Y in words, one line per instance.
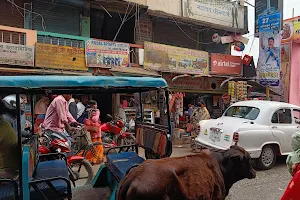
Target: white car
column 263, row 128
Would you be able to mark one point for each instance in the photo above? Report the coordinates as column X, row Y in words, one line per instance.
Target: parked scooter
column 115, row 133
column 74, row 162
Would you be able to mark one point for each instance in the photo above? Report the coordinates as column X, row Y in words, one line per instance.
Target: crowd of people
column 57, row 115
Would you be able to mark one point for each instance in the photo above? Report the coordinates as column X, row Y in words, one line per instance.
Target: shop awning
column 132, row 71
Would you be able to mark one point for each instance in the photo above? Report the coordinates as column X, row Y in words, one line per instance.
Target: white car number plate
column 215, row 135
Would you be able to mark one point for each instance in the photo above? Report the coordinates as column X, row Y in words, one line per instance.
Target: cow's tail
column 124, row 185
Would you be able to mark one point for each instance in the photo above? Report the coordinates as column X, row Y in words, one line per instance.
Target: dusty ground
column 268, row 185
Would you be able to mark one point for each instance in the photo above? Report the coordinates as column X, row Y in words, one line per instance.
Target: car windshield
column 244, row 112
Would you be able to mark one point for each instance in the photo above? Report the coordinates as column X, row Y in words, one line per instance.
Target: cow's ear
column 236, row 157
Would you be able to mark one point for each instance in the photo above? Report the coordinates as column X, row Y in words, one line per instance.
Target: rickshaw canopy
column 76, row 82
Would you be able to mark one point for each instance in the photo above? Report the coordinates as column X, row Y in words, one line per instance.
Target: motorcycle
column 74, row 162
column 114, row 132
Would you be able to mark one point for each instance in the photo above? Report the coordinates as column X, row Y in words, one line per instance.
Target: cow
column 206, row 176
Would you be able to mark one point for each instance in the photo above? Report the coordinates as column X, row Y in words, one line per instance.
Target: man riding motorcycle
column 58, row 120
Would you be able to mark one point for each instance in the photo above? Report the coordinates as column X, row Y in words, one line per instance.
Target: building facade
column 63, row 36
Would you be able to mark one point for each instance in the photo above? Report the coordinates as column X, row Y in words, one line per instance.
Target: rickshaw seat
column 53, row 168
column 8, row 189
column 120, row 163
column 49, row 177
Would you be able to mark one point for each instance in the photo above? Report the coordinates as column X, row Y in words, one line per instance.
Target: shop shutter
column 167, row 32
column 58, row 18
column 10, row 16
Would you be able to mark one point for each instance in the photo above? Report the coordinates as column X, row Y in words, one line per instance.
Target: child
column 92, row 124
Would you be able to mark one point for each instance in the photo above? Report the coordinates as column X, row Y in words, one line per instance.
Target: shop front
column 196, row 88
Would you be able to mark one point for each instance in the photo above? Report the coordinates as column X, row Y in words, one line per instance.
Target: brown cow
column 204, row 176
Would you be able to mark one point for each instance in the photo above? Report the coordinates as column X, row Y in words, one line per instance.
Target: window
column 244, row 112
column 296, row 115
column 282, row 116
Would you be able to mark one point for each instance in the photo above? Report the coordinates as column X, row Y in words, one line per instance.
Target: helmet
column 10, row 103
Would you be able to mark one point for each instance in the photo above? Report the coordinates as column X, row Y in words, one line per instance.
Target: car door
column 283, row 127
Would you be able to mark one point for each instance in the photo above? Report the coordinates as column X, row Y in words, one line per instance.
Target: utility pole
column 269, row 6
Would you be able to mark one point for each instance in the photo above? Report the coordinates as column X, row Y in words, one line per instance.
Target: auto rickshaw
column 48, row 178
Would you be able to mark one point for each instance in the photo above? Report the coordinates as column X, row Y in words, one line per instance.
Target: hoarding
column 226, row 64
column 269, row 51
column 106, row 54
column 16, row 54
column 59, row 57
column 167, row 58
column 266, row 7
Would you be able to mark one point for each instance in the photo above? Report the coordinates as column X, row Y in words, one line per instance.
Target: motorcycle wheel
column 76, row 167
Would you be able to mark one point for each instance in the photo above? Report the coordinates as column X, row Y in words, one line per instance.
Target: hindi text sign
column 269, row 51
column 167, row 58
column 106, row 54
column 59, row 57
column 16, row 54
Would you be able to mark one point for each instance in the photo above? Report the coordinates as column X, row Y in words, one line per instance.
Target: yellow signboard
column 167, row 58
column 291, row 30
column 59, row 57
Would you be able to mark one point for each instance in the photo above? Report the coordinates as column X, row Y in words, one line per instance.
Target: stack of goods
column 241, row 90
column 231, row 89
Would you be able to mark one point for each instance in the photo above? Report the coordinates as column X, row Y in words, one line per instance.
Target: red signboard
column 225, row 97
column 226, row 64
column 247, row 59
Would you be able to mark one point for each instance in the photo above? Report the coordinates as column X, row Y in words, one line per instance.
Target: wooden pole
column 267, row 92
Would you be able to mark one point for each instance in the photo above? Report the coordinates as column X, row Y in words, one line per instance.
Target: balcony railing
column 17, row 35
column 61, row 39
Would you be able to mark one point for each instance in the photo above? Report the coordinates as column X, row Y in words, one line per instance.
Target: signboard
column 15, row 54
column 226, row 64
column 197, row 84
column 59, row 57
column 175, row 59
column 222, row 13
column 106, row 54
column 143, row 31
column 285, row 70
column 265, row 7
column 269, row 51
column 225, row 97
column 291, row 30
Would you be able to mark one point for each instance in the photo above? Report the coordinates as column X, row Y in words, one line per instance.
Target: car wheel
column 267, row 158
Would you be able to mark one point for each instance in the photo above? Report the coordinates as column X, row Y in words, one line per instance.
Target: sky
column 253, row 46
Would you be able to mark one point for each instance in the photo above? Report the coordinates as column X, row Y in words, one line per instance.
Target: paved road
column 268, row 185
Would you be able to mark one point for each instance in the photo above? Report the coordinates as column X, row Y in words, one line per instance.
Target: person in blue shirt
column 272, row 53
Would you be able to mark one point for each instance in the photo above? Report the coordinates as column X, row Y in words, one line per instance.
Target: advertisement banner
column 167, row 58
column 106, row 54
column 265, row 7
column 16, row 54
column 285, row 70
column 226, row 64
column 222, row 13
column 59, row 57
column 269, row 51
column 291, row 30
